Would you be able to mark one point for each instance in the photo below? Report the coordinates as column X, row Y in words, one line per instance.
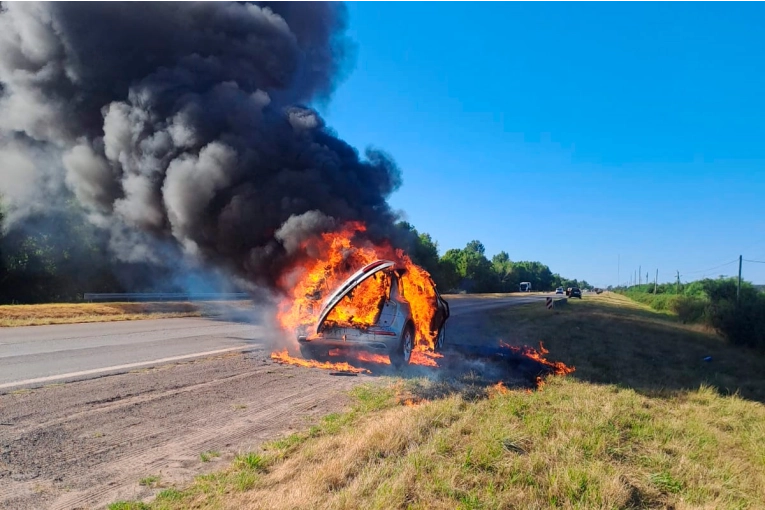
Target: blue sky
column 572, row 134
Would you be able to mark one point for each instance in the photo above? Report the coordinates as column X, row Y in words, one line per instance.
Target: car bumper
column 376, row 342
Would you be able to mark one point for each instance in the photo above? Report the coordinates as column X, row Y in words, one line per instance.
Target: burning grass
column 503, row 358
column 642, row 423
column 70, row 313
column 284, row 358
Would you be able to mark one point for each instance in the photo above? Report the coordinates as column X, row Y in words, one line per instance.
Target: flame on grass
column 363, row 356
column 555, row 367
column 284, row 358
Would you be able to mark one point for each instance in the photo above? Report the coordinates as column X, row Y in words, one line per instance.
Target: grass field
column 69, row 313
column 644, row 422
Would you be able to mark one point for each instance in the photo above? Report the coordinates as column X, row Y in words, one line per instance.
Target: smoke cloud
column 184, row 125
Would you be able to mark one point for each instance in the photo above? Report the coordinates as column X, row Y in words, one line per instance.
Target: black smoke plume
column 184, row 127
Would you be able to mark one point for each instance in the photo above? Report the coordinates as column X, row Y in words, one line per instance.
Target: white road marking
column 117, row 367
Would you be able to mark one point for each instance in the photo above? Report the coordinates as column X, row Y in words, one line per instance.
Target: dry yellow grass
column 642, row 423
column 69, row 313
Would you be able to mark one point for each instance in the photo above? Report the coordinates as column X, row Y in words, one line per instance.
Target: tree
column 503, row 270
column 452, row 263
column 449, row 275
column 471, row 267
column 475, row 247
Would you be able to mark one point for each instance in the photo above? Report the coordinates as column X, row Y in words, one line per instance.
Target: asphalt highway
column 33, row 356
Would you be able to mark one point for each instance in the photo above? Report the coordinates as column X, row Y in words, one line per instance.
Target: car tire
column 440, row 339
column 309, row 351
column 403, row 351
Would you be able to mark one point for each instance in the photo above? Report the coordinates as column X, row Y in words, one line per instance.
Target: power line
column 686, row 273
column 711, row 268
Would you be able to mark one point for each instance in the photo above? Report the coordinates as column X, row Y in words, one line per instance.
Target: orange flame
column 366, row 357
column 413, row 402
column 284, row 358
column 498, row 389
column 334, row 256
column 425, row 358
column 557, row 367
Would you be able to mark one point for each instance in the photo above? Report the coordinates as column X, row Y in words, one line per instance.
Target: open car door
column 348, row 285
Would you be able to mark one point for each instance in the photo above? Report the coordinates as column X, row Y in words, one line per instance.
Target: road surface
column 33, row 356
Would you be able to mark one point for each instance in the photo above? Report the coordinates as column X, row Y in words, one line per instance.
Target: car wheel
column 403, row 352
column 309, row 351
column 440, row 339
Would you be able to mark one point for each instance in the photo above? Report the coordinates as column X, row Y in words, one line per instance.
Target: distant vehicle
column 568, row 291
column 575, row 292
column 559, row 290
column 393, row 331
column 525, row 286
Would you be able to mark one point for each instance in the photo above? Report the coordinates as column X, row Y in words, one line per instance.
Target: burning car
column 370, row 311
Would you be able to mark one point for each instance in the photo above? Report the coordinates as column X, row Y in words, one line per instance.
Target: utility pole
column 738, row 290
column 678, row 284
column 656, row 281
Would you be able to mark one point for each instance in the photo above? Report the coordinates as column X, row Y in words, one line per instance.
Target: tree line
column 58, row 257
column 469, row 270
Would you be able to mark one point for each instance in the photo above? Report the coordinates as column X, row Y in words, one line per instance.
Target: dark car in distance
column 575, row 292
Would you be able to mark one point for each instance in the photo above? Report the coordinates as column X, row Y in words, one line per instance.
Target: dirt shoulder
column 72, row 313
column 86, row 444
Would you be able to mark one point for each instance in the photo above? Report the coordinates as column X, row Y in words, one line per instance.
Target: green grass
column 686, row 308
column 206, row 456
column 128, row 505
column 642, row 423
column 251, row 461
column 149, row 481
column 170, row 495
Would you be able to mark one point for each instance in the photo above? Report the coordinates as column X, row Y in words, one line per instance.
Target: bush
column 660, row 302
column 689, row 309
column 714, row 302
column 740, row 325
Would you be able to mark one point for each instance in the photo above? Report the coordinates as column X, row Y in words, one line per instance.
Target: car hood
column 348, row 285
